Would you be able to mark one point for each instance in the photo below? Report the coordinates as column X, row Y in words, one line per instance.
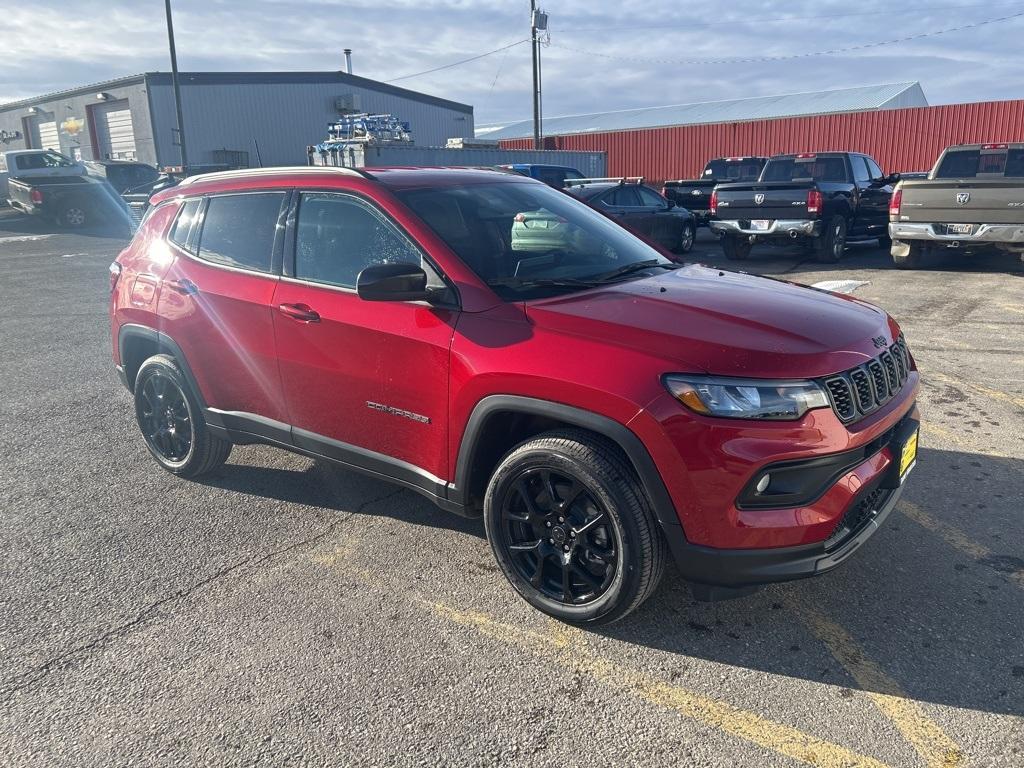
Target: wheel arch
column 499, row 422
column 137, row 343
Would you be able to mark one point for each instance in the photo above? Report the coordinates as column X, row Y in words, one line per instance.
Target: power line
column 457, row 63
column 759, row 20
column 787, row 57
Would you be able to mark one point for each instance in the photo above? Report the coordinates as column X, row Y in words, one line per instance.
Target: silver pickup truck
column 972, row 201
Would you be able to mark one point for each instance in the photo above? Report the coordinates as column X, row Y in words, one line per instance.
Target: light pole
column 538, row 23
column 177, row 89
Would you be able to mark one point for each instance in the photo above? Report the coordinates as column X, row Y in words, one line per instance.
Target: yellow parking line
column 955, row 538
column 952, row 437
column 995, row 394
column 930, row 741
column 570, row 650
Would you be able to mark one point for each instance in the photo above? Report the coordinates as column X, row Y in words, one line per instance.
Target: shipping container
column 899, row 139
column 589, row 163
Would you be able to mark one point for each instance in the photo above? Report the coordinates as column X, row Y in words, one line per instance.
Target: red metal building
column 900, row 139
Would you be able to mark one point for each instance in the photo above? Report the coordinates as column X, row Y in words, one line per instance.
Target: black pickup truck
column 695, row 194
column 70, row 201
column 824, row 199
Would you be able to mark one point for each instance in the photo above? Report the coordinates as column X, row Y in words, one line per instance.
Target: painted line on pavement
column 961, row 542
column 995, row 394
column 936, row 748
column 568, row 649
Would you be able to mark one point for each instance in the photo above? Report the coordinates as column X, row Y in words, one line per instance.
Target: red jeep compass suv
column 505, row 350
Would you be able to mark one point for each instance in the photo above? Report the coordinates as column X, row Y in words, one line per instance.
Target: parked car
column 601, row 407
column 695, row 194
column 557, row 176
column 972, row 202
column 824, row 199
column 641, row 209
column 71, row 202
column 34, row 164
column 123, row 175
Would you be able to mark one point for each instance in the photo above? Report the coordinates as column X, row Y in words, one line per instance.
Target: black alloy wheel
column 165, row 417
column 558, row 536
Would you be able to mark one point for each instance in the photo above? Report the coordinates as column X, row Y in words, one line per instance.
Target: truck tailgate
column 763, row 200
column 989, row 201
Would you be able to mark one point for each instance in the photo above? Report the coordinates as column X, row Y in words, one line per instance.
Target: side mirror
column 671, row 204
column 392, row 282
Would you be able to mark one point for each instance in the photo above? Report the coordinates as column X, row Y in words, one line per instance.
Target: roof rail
column 246, row 173
column 606, row 179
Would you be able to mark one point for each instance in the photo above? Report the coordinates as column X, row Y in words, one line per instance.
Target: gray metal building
column 227, row 116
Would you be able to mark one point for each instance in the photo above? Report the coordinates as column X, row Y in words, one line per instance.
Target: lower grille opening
column 856, row 517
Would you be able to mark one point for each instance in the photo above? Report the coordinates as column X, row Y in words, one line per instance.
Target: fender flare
column 130, row 331
column 621, row 435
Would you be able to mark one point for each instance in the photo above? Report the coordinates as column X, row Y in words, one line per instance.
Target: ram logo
column 963, row 197
column 758, row 199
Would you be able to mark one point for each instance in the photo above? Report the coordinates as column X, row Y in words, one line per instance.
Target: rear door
column 365, row 382
column 215, row 299
column 663, row 226
column 873, row 207
column 623, row 202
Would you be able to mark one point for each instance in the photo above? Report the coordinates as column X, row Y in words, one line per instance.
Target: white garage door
column 115, row 137
column 48, row 136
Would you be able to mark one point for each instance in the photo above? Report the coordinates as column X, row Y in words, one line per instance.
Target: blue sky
column 602, row 55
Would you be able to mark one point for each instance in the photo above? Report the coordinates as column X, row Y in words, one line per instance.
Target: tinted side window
column 860, row 168
column 551, row 176
column 960, row 164
column 339, row 235
column 238, row 230
column 650, row 198
column 873, row 169
column 182, row 227
column 625, row 197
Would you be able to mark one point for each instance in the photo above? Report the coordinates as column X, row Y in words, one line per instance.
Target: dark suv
column 507, row 351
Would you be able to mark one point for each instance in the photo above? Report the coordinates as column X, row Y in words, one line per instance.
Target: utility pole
column 535, row 45
column 177, row 89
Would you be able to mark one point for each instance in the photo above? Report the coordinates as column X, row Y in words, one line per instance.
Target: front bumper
column 986, row 234
column 777, row 228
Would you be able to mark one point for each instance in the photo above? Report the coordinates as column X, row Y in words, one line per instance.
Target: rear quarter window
column 239, row 230
column 181, row 230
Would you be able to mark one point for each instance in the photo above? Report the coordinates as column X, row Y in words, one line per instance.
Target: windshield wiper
column 628, row 269
column 542, row 282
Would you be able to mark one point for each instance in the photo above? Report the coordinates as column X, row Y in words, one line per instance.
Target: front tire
column 571, row 528
column 735, row 248
column 687, row 236
column 172, row 423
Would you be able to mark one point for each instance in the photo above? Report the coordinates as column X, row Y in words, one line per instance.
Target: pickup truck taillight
column 664, row 191
column 36, row 196
column 896, row 203
column 115, row 273
column 814, row 201
column 713, row 202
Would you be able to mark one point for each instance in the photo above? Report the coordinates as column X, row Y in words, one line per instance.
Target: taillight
column 993, row 146
column 814, row 201
column 36, row 196
column 664, row 191
column 713, row 202
column 896, row 203
column 115, row 273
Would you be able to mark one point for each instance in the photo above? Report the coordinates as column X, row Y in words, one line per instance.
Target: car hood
column 725, row 323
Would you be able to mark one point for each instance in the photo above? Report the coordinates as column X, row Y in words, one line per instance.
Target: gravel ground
column 288, row 613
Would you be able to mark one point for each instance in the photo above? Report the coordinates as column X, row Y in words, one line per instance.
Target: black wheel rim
column 838, row 241
column 558, row 537
column 165, row 417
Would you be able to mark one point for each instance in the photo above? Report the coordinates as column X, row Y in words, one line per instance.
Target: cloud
column 52, row 45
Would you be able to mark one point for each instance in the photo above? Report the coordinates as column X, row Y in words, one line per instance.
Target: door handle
column 183, row 286
column 300, row 312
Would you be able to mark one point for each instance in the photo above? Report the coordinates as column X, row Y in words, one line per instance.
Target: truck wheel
column 914, row 258
column 686, row 238
column 735, row 248
column 73, row 215
column 829, row 247
column 571, row 528
column 172, row 423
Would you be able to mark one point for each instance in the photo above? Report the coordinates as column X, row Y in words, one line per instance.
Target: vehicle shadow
column 922, row 600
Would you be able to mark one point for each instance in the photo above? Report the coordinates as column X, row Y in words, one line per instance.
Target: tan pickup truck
column 972, row 201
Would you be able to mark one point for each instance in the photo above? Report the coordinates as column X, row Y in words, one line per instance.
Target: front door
column 365, row 382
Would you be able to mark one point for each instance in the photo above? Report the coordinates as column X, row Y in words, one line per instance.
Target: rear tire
column 571, row 528
column 73, row 215
column 829, row 246
column 915, row 258
column 735, row 248
column 171, row 420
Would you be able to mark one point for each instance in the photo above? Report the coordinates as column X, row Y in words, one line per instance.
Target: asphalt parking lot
column 287, row 613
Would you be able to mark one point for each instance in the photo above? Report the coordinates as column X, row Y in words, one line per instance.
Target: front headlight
column 746, row 398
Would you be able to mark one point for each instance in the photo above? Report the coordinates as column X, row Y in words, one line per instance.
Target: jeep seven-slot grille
column 861, row 390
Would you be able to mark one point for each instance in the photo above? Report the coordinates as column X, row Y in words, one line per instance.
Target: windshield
column 966, row 164
column 815, row 168
column 528, row 240
column 733, row 170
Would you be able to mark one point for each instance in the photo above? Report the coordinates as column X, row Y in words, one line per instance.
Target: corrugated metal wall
column 899, row 139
